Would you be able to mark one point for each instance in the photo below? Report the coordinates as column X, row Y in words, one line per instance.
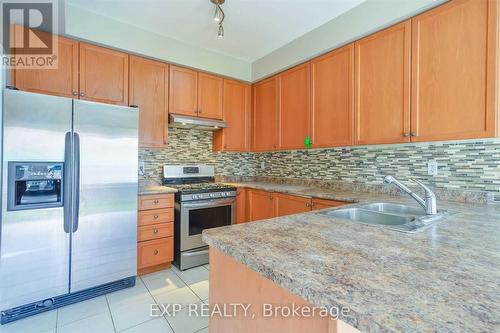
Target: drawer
column 155, row 231
column 156, row 201
column 155, row 252
column 155, row 216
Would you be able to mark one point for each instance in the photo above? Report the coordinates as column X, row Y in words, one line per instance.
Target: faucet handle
column 428, row 191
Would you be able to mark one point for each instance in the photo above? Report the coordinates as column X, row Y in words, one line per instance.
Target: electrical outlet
column 141, row 168
column 262, row 165
column 432, row 168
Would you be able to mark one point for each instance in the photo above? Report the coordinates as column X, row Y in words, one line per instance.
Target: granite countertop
column 308, row 191
column 443, row 279
column 150, row 187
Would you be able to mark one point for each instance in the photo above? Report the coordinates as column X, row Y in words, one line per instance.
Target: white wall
column 86, row 25
column 368, row 17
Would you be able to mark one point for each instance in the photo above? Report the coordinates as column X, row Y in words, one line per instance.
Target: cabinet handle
column 413, row 134
column 134, row 106
column 82, row 94
column 155, row 231
column 75, row 93
column 406, row 135
column 155, row 217
column 270, row 197
column 199, row 111
column 156, row 201
column 156, row 252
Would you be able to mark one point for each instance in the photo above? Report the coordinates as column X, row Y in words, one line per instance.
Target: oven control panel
column 208, row 196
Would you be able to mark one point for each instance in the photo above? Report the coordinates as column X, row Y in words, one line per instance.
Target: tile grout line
column 187, row 285
column 154, row 299
column 110, row 314
column 57, row 319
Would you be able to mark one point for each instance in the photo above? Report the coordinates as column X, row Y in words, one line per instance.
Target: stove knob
column 223, row 194
column 228, row 194
column 194, row 196
column 212, row 195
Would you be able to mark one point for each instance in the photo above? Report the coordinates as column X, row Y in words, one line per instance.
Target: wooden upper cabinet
column 236, row 109
column 62, row 81
column 210, row 93
column 294, row 107
column 332, row 114
column 149, row 91
column 183, row 91
column 291, row 204
column 382, row 86
column 260, row 205
column 454, row 71
column 103, row 75
column 265, row 104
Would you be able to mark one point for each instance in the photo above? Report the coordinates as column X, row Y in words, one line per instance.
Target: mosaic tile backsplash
column 462, row 165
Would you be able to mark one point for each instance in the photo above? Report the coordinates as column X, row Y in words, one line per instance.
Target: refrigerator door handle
column 76, row 181
column 67, row 183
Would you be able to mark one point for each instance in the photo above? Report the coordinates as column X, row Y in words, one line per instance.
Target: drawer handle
column 155, row 231
column 156, row 252
column 156, row 201
column 155, row 217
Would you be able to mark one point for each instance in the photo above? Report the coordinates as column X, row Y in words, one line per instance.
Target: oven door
column 204, row 214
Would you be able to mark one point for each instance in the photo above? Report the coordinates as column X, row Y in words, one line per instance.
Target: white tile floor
column 128, row 310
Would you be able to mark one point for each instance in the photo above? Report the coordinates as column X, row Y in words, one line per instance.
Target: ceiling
column 253, row 28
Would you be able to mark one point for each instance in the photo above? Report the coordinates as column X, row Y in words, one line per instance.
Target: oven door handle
column 208, row 203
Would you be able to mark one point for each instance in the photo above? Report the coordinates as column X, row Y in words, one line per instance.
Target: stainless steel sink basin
column 388, row 215
column 391, row 208
column 366, row 216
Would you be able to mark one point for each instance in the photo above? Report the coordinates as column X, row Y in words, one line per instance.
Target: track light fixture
column 219, row 16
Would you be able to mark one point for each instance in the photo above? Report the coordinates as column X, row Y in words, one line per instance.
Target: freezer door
column 104, row 240
column 34, row 248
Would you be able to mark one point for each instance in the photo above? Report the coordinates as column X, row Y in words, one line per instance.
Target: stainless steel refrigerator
column 69, row 201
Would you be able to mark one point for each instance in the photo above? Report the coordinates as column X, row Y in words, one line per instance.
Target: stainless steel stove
column 200, row 204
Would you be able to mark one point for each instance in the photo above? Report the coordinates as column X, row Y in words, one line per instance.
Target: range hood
column 205, row 124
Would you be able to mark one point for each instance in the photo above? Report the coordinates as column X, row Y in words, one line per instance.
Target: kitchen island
column 442, row 279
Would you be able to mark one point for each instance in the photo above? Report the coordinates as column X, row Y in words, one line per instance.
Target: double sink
column 389, row 215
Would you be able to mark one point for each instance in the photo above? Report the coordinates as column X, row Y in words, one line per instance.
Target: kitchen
column 349, row 163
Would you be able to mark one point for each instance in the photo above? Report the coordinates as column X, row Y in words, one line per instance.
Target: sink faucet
column 429, row 203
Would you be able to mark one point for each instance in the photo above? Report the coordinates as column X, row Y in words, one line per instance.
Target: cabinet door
column 241, row 211
column 294, row 107
column 183, row 91
column 291, row 204
column 260, row 205
column 332, row 114
column 324, row 203
column 62, row 81
column 210, row 89
column 382, row 86
column 454, row 70
column 236, row 109
column 148, row 90
column 265, row 115
column 103, row 75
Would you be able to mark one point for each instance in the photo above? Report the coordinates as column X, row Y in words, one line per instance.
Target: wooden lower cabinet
column 155, row 252
column 290, row 204
column 317, row 204
column 155, row 231
column 262, row 205
column 241, row 206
